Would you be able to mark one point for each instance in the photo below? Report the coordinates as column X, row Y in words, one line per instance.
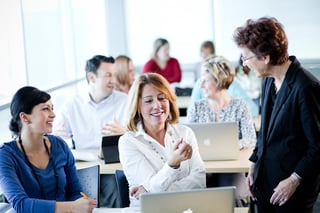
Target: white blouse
column 144, row 161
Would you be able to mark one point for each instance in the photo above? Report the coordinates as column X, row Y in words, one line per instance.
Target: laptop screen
column 217, row 141
column 109, row 149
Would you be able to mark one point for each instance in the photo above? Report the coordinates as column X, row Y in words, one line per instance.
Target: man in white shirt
column 88, row 116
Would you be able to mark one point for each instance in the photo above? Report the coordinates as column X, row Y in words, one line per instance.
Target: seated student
column 234, row 90
column 218, row 106
column 89, row 116
column 124, row 73
column 156, row 153
column 162, row 63
column 207, row 50
column 37, row 170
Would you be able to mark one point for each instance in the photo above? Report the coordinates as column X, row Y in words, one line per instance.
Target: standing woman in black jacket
column 285, row 172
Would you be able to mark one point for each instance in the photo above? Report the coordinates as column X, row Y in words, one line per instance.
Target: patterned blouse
column 237, row 110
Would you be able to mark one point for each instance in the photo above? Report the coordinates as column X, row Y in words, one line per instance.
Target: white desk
column 234, row 166
column 6, row 208
column 135, row 210
column 183, row 101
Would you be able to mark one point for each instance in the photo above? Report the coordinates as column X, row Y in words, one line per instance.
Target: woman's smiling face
column 154, row 107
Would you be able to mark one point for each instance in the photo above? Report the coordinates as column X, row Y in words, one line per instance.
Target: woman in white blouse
column 156, row 153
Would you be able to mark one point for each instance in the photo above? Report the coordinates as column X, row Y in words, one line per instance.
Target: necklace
column 34, row 172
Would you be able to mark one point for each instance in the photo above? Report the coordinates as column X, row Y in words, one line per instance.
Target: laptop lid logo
column 187, row 211
column 207, row 142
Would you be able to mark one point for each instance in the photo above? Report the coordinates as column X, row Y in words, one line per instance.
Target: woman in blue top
column 37, row 171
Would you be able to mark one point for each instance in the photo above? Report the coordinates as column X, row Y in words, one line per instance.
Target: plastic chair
column 123, row 188
column 89, row 178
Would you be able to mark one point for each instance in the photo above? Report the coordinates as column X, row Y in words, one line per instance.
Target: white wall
column 301, row 20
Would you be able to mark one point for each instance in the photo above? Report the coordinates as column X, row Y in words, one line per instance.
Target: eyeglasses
column 246, row 59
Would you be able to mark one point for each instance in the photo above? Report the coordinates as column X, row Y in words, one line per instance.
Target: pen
column 84, row 195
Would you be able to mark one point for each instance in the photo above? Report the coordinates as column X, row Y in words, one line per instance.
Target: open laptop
column 109, row 149
column 219, row 199
column 217, row 141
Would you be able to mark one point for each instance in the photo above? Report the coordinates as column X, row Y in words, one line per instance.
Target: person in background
column 37, row 170
column 207, row 50
column 285, row 173
column 156, row 153
column 89, row 116
column 101, row 108
column 218, row 106
column 124, row 73
column 249, row 81
column 162, row 63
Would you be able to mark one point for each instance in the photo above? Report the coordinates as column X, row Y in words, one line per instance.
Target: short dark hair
column 93, row 64
column 264, row 36
column 23, row 101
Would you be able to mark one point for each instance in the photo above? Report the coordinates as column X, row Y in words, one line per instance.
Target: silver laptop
column 217, row 141
column 219, row 199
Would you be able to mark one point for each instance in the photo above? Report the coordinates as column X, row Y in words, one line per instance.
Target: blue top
column 20, row 186
column 234, row 90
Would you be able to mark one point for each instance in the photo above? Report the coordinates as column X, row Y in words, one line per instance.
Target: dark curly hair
column 264, row 36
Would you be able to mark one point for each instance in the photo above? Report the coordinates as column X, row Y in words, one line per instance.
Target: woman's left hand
column 136, row 191
column 284, row 191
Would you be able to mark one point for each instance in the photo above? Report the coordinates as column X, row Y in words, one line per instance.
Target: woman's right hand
column 84, row 205
column 181, row 151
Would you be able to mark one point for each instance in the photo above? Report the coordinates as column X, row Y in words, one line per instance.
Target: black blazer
column 289, row 138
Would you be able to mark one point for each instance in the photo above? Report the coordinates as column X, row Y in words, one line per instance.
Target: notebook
column 109, row 149
column 217, row 141
column 218, row 199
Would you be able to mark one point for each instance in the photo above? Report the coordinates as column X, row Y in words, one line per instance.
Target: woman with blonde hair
column 124, row 73
column 217, row 74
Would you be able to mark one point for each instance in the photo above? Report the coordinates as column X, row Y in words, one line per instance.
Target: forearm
column 64, row 207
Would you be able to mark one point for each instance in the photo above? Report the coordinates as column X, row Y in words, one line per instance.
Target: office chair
column 123, row 188
column 89, row 178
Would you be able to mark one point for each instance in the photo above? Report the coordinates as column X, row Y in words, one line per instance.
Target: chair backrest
column 89, row 178
column 123, row 188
